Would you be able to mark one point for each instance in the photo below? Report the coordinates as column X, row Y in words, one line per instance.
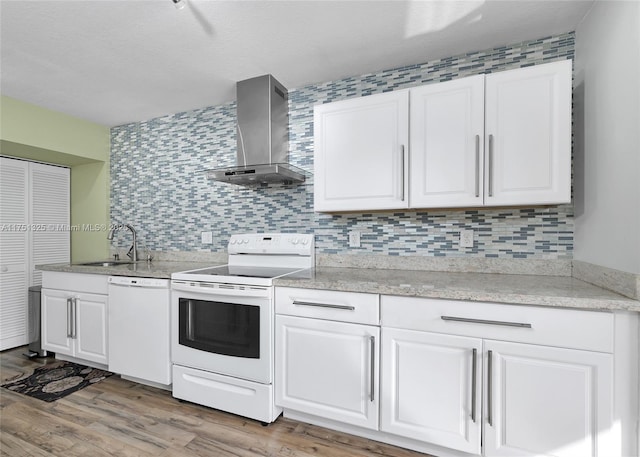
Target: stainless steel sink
column 106, row 263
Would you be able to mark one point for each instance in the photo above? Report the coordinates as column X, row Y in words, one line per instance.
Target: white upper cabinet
column 447, row 131
column 528, row 135
column 361, row 148
column 502, row 139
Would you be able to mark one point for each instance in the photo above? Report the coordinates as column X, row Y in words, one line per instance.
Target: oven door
column 223, row 329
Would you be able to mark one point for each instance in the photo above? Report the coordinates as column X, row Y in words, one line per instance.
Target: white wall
column 607, row 136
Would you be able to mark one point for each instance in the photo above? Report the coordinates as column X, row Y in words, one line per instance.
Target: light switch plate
column 207, row 237
column 466, row 238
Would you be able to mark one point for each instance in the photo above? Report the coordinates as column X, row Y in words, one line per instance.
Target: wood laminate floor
column 117, row 417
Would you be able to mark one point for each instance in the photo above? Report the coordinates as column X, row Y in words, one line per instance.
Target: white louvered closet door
column 34, row 215
column 14, row 252
column 50, row 238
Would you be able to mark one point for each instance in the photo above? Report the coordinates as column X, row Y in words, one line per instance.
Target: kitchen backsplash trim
column 543, row 267
column 622, row 282
column 158, row 182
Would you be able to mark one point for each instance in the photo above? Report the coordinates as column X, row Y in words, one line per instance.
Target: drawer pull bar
column 483, row 321
column 324, row 305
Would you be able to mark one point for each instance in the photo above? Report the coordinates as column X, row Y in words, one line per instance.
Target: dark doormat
column 56, row 380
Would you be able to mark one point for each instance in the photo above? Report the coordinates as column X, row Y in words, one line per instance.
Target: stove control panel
column 272, row 243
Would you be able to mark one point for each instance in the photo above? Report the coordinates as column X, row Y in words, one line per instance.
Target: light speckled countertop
column 143, row 269
column 557, row 291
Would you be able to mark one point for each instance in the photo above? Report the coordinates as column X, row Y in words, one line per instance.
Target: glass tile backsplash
column 159, row 184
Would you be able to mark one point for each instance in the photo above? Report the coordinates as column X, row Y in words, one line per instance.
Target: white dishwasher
column 139, row 329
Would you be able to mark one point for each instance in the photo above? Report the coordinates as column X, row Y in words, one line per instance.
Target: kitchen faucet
column 133, row 251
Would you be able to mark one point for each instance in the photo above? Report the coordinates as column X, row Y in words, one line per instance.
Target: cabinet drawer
column 577, row 329
column 76, row 282
column 330, row 305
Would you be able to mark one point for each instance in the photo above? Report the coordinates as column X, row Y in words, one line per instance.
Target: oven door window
column 221, row 328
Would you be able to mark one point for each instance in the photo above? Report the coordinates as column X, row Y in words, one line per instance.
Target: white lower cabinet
column 506, row 380
column 327, row 352
column 461, row 378
column 538, row 401
column 328, row 369
column 430, row 388
column 75, row 324
column 548, row 401
column 74, row 321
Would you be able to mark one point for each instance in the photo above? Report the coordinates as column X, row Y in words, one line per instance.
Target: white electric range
column 223, row 323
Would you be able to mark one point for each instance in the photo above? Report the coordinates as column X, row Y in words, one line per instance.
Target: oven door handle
column 216, row 289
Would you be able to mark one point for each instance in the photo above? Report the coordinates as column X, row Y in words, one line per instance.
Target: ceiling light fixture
column 179, row 4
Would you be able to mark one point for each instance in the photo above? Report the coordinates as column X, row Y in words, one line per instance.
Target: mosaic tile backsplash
column 159, row 184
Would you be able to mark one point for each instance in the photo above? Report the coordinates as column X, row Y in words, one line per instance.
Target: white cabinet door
column 431, row 388
column 91, row 327
column 447, row 144
column 528, row 135
column 328, row 369
column 361, row 148
column 56, row 321
column 14, row 252
column 544, row 401
column 75, row 324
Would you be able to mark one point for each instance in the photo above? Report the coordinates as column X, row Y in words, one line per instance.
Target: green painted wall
column 31, row 132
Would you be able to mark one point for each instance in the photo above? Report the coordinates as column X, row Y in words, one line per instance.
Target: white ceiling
column 119, row 61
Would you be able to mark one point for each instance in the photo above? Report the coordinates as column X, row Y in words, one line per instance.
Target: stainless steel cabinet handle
column 372, row 385
column 323, row 305
column 483, row 321
column 477, row 165
column 74, row 331
column 490, row 388
column 490, row 165
column 473, row 383
column 402, row 159
column 69, row 321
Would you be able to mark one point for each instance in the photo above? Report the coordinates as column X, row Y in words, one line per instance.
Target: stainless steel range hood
column 262, row 136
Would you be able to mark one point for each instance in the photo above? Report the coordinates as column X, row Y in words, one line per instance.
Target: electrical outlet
column 354, row 239
column 207, row 237
column 466, row 238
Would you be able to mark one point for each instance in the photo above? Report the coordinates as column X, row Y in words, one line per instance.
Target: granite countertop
column 143, row 269
column 556, row 291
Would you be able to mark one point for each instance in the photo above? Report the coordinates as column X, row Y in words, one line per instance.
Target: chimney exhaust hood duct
column 262, row 136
